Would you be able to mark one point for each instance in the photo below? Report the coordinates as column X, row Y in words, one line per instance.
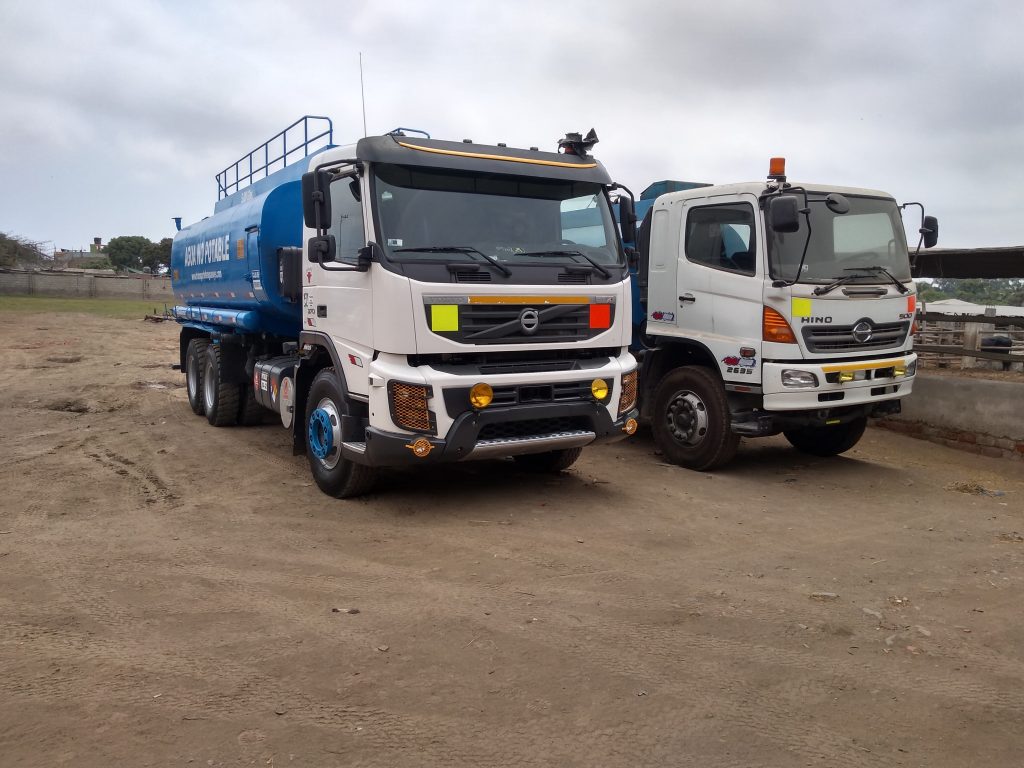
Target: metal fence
column 970, row 341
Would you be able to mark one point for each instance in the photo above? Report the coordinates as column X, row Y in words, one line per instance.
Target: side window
column 347, row 218
column 722, row 237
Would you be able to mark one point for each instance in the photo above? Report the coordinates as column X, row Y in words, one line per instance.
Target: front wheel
column 334, row 474
column 827, row 441
column 691, row 422
column 549, row 461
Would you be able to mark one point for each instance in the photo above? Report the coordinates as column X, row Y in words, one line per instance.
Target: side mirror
column 322, row 249
column 316, row 199
column 930, row 231
column 627, row 219
column 784, row 213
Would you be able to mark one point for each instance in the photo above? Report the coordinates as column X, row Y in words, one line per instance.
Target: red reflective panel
column 600, row 315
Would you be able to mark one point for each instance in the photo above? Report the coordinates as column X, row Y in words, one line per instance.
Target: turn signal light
column 775, row 328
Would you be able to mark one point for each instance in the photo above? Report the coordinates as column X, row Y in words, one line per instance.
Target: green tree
column 128, row 251
column 158, row 255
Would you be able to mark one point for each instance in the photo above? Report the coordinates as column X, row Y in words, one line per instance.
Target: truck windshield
column 870, row 234
column 427, row 214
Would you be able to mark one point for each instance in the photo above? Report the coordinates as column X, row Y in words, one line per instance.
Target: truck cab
column 771, row 308
column 407, row 300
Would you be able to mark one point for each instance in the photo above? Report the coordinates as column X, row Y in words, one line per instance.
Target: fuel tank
column 228, row 261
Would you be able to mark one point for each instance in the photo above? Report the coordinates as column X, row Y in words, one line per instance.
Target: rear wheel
column 220, row 397
column 195, row 363
column 334, row 474
column 827, row 441
column 550, row 461
column 691, row 422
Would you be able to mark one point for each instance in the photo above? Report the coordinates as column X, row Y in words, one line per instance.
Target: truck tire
column 550, row 461
column 827, row 441
column 220, row 398
column 195, row 365
column 690, row 420
column 250, row 412
column 334, row 474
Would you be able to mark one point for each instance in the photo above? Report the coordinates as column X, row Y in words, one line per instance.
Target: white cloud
column 117, row 116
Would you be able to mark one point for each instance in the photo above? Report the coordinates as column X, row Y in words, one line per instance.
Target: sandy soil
column 173, row 594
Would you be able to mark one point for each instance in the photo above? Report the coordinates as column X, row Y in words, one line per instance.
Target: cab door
column 721, row 260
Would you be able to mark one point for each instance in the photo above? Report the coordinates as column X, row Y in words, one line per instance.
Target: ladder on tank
column 302, row 134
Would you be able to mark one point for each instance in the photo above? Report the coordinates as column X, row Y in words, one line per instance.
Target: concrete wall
column 977, row 415
column 85, row 285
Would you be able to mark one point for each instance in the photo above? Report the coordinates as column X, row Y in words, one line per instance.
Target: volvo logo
column 529, row 321
column 862, row 332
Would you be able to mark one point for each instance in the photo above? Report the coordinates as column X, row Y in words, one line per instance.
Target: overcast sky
column 115, row 116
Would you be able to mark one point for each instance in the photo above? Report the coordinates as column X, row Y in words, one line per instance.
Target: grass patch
column 124, row 309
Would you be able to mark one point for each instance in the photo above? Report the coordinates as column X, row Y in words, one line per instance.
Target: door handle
column 687, row 298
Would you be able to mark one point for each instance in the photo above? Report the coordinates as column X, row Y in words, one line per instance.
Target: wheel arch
column 671, row 354
column 318, row 352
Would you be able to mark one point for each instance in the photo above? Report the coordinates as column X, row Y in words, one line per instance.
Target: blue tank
column 224, row 269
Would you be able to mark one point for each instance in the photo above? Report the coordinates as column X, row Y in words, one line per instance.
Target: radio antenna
column 362, row 91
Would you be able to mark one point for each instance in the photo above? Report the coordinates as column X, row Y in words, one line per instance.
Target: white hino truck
column 406, row 300
column 770, row 307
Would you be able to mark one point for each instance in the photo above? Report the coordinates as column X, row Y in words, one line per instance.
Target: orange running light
column 777, row 166
column 775, row 328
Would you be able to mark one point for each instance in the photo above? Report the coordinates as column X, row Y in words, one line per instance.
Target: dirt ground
column 173, row 594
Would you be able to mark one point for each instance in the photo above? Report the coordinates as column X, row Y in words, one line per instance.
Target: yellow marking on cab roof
column 529, row 299
column 481, row 156
column 862, row 366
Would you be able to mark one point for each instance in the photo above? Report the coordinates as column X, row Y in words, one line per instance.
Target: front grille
column 466, row 276
column 501, row 323
column 456, row 399
column 576, row 278
column 840, row 338
column 533, row 428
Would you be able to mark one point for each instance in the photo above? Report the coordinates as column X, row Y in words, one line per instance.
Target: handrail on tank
column 244, row 178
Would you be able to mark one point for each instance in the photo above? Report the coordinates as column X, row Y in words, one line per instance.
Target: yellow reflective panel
column 444, row 317
column 801, row 308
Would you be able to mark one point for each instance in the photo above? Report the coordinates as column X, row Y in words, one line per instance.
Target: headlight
column 627, row 399
column 799, row 379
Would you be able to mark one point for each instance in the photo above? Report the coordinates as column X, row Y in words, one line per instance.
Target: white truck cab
column 772, row 308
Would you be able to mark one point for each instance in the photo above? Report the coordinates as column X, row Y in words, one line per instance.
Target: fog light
column 599, row 389
column 481, row 395
column 629, row 427
column 845, row 376
column 799, row 379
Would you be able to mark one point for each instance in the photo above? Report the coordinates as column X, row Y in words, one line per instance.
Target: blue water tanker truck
column 406, row 300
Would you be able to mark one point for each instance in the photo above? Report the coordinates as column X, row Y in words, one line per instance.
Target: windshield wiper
column 458, row 249
column 895, row 280
column 821, row 290
column 604, row 272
